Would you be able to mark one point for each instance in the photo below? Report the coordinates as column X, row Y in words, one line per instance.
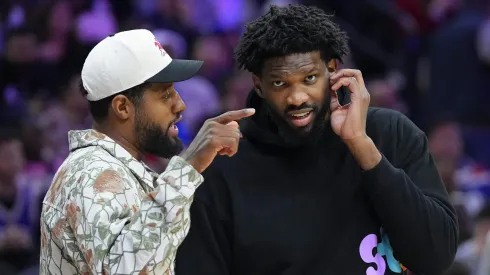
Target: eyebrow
column 301, row 70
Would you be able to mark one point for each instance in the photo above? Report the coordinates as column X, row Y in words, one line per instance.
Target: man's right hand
column 219, row 135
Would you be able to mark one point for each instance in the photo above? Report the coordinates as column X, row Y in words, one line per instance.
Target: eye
column 167, row 94
column 310, row 78
column 278, row 83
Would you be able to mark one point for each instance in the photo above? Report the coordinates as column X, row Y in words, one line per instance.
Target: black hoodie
column 276, row 209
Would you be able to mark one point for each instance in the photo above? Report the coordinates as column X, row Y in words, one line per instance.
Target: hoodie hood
column 260, row 128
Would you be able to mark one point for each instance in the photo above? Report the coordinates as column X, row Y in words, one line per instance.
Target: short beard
column 295, row 137
column 151, row 139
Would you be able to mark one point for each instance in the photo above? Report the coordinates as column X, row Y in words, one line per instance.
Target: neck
column 119, row 138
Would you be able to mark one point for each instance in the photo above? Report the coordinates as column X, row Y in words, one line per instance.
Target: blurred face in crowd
column 446, row 146
column 60, row 19
column 214, row 53
column 382, row 94
column 445, row 141
column 153, row 120
column 296, row 90
column 483, row 41
column 12, row 156
column 73, row 99
column 237, row 89
column 482, row 228
column 22, row 48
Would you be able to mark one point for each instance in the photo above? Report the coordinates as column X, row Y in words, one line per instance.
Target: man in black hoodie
column 317, row 187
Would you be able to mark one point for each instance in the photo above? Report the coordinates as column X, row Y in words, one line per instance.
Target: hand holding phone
column 349, row 107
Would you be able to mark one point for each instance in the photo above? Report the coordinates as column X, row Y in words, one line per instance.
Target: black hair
column 288, row 30
column 100, row 109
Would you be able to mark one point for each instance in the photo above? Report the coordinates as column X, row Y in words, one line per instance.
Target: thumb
column 233, row 124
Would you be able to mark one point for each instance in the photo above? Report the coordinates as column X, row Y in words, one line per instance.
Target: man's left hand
column 349, row 121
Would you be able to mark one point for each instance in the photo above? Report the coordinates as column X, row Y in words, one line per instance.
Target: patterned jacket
column 108, row 213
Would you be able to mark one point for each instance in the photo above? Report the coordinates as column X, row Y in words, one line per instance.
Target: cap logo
column 159, row 46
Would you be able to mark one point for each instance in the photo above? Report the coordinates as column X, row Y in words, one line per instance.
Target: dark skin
column 302, row 78
column 162, row 105
column 294, row 80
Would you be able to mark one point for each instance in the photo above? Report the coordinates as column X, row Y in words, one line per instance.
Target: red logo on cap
column 159, row 46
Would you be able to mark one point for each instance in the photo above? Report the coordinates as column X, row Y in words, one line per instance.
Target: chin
column 303, row 131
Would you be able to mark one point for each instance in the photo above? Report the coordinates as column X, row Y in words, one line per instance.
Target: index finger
column 349, row 73
column 233, row 115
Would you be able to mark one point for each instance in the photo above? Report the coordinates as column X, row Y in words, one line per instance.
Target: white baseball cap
column 130, row 58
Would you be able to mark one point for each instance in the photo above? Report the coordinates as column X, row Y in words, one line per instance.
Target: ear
column 332, row 65
column 257, row 86
column 122, row 107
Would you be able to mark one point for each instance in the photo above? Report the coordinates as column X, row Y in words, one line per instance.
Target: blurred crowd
column 429, row 59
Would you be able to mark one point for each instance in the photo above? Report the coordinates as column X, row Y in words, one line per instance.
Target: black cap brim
column 178, row 70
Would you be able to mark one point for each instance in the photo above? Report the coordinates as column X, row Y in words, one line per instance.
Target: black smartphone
column 344, row 96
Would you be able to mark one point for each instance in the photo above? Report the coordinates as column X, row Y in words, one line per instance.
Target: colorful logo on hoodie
column 383, row 248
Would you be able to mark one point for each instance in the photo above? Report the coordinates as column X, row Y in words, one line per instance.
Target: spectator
column 70, row 112
column 470, row 252
column 19, row 215
column 18, row 72
column 484, row 268
column 385, row 95
column 458, row 75
column 464, row 177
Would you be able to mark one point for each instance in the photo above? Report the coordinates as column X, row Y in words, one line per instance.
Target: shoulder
column 87, row 172
column 382, row 121
column 93, row 162
column 395, row 135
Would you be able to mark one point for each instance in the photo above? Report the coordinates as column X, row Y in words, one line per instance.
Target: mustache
column 177, row 118
column 291, row 108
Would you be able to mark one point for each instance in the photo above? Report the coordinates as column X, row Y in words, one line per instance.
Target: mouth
column 173, row 130
column 301, row 118
column 178, row 119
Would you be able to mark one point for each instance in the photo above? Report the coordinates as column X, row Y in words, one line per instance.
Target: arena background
column 429, row 59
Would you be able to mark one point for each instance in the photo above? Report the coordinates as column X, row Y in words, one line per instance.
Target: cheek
column 161, row 114
column 143, row 117
column 276, row 100
column 322, row 91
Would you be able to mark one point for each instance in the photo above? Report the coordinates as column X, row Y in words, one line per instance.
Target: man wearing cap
column 106, row 212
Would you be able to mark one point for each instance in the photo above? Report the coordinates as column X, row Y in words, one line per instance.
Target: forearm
column 410, row 216
column 422, row 227
column 365, row 152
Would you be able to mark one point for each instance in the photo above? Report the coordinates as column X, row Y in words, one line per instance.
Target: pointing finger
column 233, row 116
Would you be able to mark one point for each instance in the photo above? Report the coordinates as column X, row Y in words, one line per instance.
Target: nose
column 297, row 97
column 179, row 105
